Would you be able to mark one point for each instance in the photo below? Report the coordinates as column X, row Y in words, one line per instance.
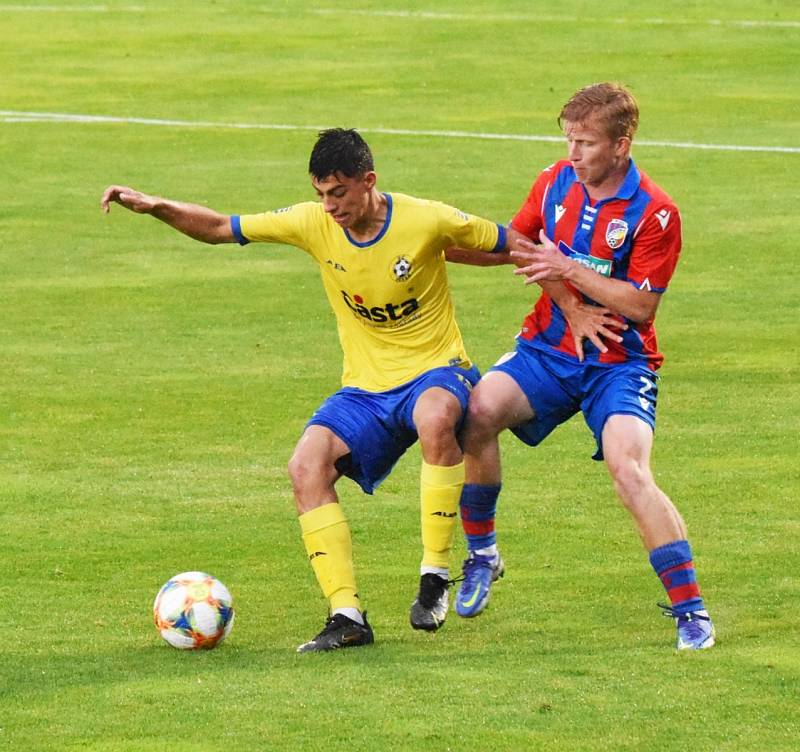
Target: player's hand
column 540, row 261
column 131, row 199
column 594, row 323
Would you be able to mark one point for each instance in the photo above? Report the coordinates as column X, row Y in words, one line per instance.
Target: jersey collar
column 631, row 183
column 385, row 227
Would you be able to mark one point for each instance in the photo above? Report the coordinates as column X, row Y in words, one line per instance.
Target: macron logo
column 559, row 212
column 663, row 218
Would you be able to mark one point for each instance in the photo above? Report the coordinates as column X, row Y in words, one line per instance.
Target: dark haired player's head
column 340, row 150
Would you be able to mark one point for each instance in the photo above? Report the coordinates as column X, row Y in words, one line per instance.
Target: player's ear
column 623, row 146
column 370, row 178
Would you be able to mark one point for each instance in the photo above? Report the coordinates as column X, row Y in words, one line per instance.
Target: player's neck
column 369, row 225
column 609, row 186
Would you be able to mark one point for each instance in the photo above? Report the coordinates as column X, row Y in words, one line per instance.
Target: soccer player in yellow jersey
column 406, row 374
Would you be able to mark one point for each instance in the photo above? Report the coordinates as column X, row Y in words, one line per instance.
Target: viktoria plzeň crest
column 616, row 232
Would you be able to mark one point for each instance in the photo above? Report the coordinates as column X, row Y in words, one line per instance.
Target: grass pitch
column 152, row 388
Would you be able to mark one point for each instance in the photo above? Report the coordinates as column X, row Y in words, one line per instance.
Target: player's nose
column 573, row 153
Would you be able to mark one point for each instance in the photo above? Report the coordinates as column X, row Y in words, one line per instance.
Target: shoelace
column 688, row 622
column 688, row 617
column 473, row 562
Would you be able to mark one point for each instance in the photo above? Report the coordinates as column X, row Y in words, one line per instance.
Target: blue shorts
column 558, row 386
column 378, row 426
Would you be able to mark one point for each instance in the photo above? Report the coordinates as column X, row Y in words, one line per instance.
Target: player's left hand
column 540, row 261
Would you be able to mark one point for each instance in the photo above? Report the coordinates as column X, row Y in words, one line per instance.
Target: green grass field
column 152, row 389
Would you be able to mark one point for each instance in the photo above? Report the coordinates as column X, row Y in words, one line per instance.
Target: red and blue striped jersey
column 634, row 236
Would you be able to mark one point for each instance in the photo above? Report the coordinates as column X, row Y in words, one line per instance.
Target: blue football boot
column 479, row 573
column 695, row 629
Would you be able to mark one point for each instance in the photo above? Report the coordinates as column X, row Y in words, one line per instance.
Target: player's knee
column 303, row 470
column 631, row 479
column 482, row 419
column 438, row 430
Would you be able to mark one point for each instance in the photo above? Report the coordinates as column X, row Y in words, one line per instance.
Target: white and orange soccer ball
column 193, row 611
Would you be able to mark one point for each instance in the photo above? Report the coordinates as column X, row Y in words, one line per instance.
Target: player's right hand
column 593, row 323
column 131, row 199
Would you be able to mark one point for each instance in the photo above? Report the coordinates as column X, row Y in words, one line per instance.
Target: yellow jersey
column 390, row 295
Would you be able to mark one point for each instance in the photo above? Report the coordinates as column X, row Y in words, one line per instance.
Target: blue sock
column 675, row 568
column 478, row 509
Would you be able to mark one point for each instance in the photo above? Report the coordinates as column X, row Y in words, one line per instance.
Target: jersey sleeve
column 656, row 248
column 529, row 219
column 468, row 231
column 290, row 225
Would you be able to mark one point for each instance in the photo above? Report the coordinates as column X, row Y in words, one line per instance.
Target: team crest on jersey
column 401, row 269
column 616, row 232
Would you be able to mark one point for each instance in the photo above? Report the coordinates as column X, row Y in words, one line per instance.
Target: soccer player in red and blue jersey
column 598, row 224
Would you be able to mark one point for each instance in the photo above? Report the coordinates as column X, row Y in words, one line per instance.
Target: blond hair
column 611, row 103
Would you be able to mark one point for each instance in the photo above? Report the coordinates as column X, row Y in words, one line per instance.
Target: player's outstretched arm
column 198, row 222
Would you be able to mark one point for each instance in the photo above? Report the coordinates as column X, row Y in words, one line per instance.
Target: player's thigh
column 617, row 392
column 497, row 403
column 317, row 452
column 627, row 441
column 366, row 425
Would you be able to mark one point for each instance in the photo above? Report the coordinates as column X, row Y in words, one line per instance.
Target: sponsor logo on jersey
column 281, row 211
column 380, row 314
column 616, row 231
column 599, row 265
column 401, row 269
column 336, row 265
column 559, row 211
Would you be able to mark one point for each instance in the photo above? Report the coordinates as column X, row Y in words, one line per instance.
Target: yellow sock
column 326, row 536
column 440, row 492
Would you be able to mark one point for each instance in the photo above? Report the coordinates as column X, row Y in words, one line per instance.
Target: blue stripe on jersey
column 632, row 216
column 556, row 195
column 236, row 229
column 385, row 227
column 584, row 229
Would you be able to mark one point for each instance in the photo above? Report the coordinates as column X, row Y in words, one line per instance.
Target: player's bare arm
column 457, row 255
column 544, row 262
column 198, row 222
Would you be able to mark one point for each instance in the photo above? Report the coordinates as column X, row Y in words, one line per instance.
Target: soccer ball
column 193, row 611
